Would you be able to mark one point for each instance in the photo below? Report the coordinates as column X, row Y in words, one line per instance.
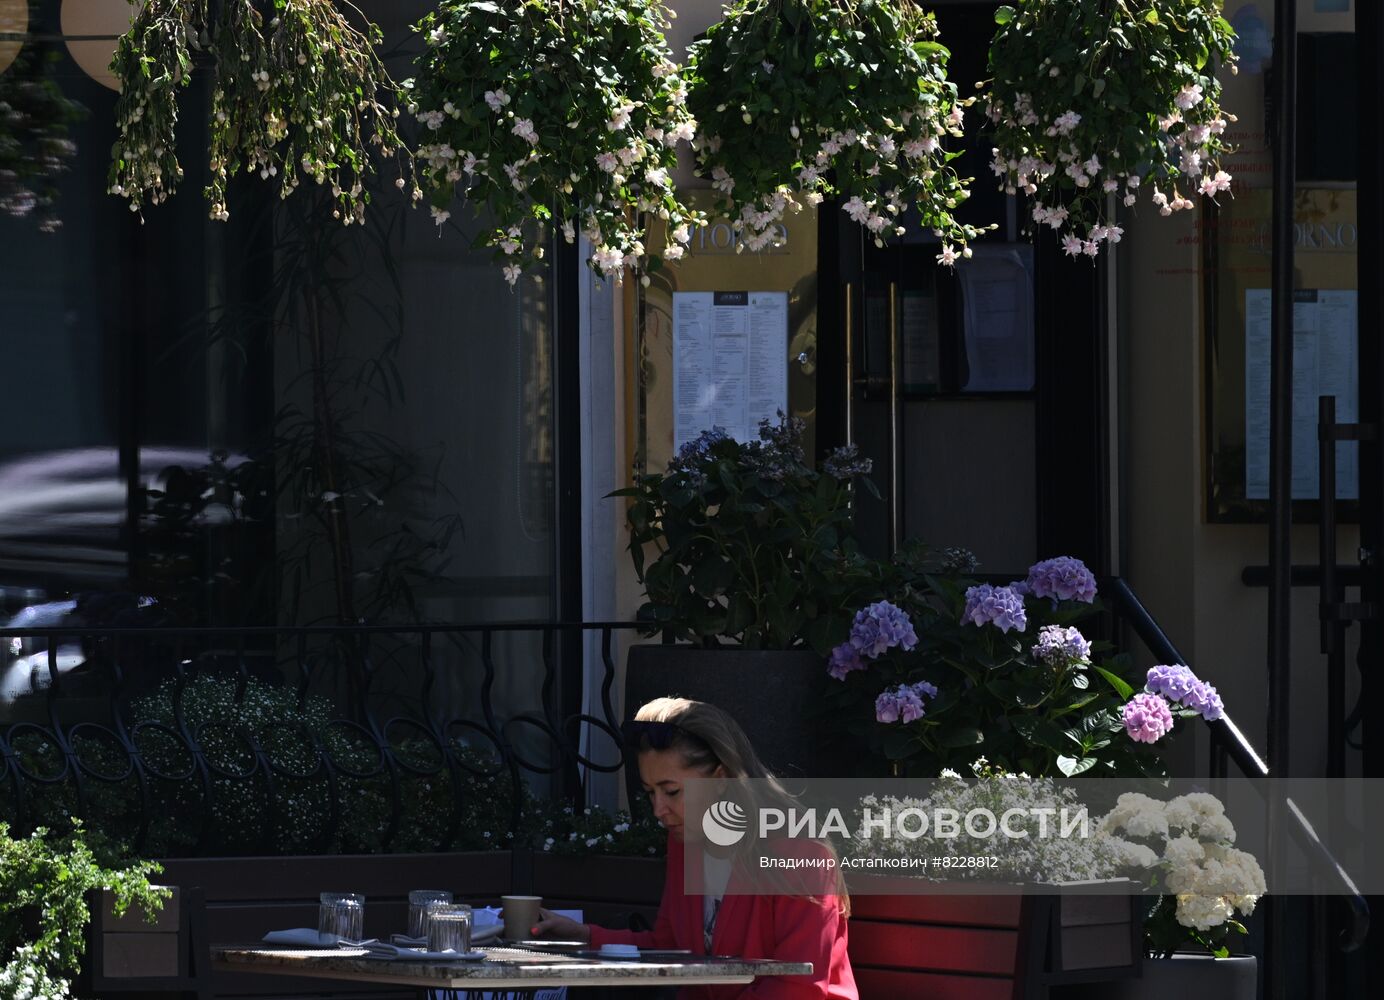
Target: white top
column 715, row 876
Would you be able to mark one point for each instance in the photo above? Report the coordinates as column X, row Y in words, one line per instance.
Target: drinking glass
column 418, row 901
column 449, row 927
column 341, row 916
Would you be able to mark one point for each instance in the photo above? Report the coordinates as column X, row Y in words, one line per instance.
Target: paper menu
column 730, row 362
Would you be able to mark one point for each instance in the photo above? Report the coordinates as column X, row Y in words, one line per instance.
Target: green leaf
column 1071, row 766
column 963, row 736
column 1115, row 681
column 1004, row 14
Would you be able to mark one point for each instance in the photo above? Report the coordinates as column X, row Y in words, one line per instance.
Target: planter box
column 133, row 947
column 772, row 694
column 1184, row 976
column 989, row 944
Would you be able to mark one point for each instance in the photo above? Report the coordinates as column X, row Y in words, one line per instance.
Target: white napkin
column 479, row 935
column 384, row 949
column 301, row 937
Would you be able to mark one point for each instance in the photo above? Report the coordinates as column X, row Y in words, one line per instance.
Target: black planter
column 773, row 694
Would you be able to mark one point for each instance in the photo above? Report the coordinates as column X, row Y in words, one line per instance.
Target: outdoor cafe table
column 502, row 969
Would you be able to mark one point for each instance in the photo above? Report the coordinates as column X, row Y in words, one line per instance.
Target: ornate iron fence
column 306, row 740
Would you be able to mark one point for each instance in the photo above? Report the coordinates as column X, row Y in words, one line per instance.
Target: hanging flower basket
column 800, row 100
column 1098, row 98
column 561, row 112
column 298, row 92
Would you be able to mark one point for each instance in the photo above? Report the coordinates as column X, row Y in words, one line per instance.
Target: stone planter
column 773, row 694
column 1186, row 976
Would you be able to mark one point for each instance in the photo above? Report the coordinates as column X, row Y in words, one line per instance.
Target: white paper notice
column 730, row 352
column 1325, row 363
column 997, row 298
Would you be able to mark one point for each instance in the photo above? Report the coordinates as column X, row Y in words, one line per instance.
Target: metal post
column 1281, row 385
column 1280, row 451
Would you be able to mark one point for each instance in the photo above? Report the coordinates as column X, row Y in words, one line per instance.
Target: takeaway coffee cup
column 521, row 913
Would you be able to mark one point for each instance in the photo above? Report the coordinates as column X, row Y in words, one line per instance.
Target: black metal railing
column 1228, row 743
column 313, row 739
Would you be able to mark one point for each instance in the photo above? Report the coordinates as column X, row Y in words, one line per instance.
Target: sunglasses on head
column 654, row 735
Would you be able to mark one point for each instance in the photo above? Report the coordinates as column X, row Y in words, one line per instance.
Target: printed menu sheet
column 1325, row 363
column 730, row 353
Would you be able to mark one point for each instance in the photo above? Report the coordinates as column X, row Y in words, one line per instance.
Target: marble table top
column 503, row 968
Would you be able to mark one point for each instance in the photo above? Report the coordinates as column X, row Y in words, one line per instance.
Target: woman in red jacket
column 678, row 740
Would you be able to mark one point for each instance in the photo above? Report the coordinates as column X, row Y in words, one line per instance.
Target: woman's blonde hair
column 707, row 737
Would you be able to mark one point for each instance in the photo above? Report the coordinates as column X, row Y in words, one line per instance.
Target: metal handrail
column 1229, row 740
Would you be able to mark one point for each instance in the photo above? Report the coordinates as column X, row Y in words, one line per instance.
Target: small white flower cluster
column 1212, row 881
column 1073, row 134
column 880, row 149
column 1042, row 855
column 535, row 157
column 25, row 977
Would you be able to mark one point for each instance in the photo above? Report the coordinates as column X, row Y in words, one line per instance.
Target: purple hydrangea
column 1002, row 607
column 846, row 462
column 699, row 448
column 1061, row 579
column 1058, row 646
column 903, row 703
column 1180, row 685
column 694, row 454
column 1147, row 717
column 845, row 658
column 881, row 627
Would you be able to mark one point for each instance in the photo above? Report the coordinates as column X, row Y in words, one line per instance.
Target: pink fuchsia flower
column 1147, row 718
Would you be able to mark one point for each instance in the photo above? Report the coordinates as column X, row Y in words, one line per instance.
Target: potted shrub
column 1019, row 886
column 950, row 669
column 748, row 560
column 1095, row 102
column 801, row 100
column 44, row 882
column 555, row 114
column 1187, row 848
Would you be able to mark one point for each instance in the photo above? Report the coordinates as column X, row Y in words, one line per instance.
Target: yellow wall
column 1185, row 569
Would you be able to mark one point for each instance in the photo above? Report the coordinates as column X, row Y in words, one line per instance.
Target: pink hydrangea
column 1147, row 718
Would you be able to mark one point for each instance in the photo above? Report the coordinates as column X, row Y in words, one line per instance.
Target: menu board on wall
column 730, row 362
column 1324, row 364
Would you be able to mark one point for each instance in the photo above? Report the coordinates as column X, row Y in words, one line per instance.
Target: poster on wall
column 730, row 362
column 1324, row 364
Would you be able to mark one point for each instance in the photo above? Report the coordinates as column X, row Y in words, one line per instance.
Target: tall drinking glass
column 418, row 901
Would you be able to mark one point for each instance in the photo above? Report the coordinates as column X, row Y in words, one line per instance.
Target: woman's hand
column 562, row 928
